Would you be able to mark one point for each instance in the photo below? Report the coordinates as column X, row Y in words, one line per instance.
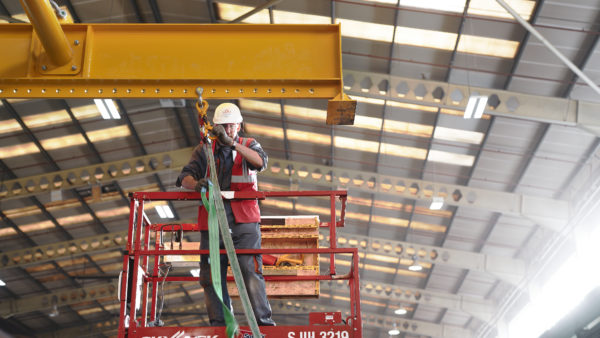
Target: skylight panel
column 356, row 144
column 255, row 129
column 403, row 151
column 369, row 100
column 367, row 122
column 366, row 30
column 487, row 46
column 7, row 232
column 427, row 227
column 357, row 215
column 412, row 106
column 455, row 6
column 87, row 111
column 401, row 127
column 229, row 12
column 425, row 38
column 108, row 133
column 383, row 258
column 319, row 115
column 458, row 135
column 18, row 150
column 298, row 135
column 36, row 121
column 9, row 126
column 260, row 106
column 392, row 221
column 37, row 226
column 362, row 145
column 299, row 18
column 112, row 212
column 493, row 9
column 49, row 118
column 64, row 141
column 76, row 219
column 405, row 35
column 450, row 158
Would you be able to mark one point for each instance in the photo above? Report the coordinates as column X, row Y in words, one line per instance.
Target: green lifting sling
column 217, row 220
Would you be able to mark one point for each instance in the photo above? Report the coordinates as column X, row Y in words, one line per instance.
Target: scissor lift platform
column 290, row 249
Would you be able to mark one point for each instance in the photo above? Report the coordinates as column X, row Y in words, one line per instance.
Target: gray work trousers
column 245, row 236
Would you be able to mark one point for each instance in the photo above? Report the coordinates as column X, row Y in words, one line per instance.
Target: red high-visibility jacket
column 242, row 179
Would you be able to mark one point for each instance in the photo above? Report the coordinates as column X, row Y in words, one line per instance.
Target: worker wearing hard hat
column 237, row 160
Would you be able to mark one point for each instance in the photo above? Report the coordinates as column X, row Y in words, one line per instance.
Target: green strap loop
column 214, row 256
column 228, row 242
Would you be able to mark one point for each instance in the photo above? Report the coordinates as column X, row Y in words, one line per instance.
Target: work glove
column 202, row 183
column 221, row 135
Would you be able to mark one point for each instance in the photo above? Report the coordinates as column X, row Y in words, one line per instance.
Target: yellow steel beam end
column 46, row 25
column 341, row 110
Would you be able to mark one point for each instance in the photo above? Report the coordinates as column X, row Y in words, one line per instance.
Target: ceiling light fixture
column 2, row 283
column 107, row 109
column 394, row 331
column 401, row 311
column 436, row 203
column 475, row 106
column 415, row 266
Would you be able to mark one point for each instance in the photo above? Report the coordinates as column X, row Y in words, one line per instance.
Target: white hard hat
column 227, row 113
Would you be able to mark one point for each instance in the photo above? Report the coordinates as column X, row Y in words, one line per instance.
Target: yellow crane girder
column 172, row 60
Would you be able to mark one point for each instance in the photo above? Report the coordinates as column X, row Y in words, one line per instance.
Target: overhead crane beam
column 551, row 213
column 171, row 61
column 555, row 110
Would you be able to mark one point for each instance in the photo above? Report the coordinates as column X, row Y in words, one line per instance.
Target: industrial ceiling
column 514, row 181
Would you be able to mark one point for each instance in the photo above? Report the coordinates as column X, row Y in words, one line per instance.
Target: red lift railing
column 146, row 275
